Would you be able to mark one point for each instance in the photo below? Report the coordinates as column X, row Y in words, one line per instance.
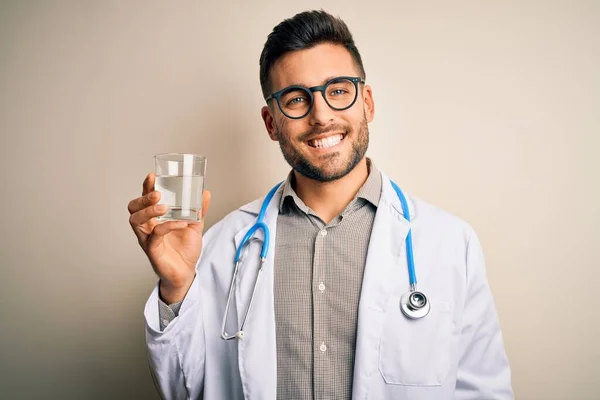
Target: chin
column 326, row 170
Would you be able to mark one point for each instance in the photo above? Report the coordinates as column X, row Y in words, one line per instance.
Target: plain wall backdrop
column 490, row 110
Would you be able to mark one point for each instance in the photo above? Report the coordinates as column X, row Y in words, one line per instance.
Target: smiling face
column 326, row 144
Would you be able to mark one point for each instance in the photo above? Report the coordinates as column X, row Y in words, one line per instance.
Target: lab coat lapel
column 386, row 261
column 257, row 351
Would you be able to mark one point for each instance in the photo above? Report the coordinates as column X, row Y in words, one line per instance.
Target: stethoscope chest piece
column 414, row 304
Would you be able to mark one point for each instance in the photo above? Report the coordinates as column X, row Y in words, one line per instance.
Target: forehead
column 312, row 67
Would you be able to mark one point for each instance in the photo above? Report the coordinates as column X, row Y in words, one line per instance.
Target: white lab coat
column 455, row 352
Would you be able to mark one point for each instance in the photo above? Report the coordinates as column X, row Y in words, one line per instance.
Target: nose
column 321, row 113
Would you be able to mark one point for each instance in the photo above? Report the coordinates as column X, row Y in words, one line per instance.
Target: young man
column 328, row 319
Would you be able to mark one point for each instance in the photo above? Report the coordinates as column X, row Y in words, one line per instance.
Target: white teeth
column 326, row 142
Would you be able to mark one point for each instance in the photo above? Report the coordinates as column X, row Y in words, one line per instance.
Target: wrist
column 170, row 293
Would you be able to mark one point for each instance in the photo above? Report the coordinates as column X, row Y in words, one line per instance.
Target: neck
column 328, row 199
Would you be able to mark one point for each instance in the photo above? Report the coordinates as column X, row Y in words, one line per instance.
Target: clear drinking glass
column 180, row 181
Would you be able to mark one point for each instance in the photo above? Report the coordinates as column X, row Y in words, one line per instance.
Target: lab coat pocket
column 416, row 352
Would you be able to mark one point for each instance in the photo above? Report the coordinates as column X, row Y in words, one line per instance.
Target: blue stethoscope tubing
column 260, row 224
column 412, row 276
column 414, row 304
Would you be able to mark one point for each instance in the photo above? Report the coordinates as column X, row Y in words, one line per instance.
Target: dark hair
column 303, row 31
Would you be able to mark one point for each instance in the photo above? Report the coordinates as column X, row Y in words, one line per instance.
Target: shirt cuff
column 167, row 312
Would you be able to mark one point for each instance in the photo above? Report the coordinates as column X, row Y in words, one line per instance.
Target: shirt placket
column 321, row 313
column 320, row 339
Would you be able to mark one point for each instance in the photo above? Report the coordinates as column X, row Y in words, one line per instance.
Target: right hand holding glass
column 173, row 247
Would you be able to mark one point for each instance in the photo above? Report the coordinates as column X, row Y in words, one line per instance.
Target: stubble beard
column 302, row 165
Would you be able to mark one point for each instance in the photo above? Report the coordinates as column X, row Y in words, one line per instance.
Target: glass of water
column 180, row 181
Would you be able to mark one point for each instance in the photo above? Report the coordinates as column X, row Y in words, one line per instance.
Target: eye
column 338, row 92
column 340, row 88
column 296, row 100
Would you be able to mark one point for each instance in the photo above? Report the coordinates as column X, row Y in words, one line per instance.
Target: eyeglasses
column 296, row 101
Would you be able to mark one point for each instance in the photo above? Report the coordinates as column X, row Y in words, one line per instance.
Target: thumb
column 160, row 230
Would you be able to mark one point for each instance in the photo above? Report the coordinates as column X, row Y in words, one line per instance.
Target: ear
column 269, row 121
column 369, row 103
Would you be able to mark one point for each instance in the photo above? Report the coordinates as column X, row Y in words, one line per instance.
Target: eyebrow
column 322, row 83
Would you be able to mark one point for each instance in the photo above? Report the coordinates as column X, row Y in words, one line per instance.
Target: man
column 326, row 320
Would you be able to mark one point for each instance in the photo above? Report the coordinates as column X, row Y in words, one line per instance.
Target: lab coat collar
column 389, row 197
column 254, row 206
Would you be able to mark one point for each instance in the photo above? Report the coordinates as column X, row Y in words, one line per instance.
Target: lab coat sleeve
column 176, row 376
column 483, row 371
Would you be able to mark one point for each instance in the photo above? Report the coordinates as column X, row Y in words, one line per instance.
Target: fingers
column 163, row 228
column 146, row 214
column 148, row 185
column 143, row 202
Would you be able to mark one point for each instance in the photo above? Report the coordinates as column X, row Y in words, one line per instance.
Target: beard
column 328, row 172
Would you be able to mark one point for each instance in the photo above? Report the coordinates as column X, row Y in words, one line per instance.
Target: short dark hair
column 303, row 31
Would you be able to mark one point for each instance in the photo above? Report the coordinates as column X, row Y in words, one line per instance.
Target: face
column 326, row 144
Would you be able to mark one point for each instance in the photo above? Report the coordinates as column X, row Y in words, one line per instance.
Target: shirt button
column 322, row 287
column 165, row 322
column 323, row 348
column 324, row 232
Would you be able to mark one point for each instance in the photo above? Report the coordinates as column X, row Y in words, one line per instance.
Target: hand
column 173, row 247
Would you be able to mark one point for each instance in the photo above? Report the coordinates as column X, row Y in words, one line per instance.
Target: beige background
column 487, row 109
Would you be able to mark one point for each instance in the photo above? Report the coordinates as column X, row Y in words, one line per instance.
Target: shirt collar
column 369, row 191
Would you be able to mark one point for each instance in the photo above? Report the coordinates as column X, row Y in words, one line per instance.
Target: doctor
column 327, row 318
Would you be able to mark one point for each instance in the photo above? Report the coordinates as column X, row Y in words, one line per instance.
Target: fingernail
column 161, row 208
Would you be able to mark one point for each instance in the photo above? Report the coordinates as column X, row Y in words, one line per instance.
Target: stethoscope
column 414, row 304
